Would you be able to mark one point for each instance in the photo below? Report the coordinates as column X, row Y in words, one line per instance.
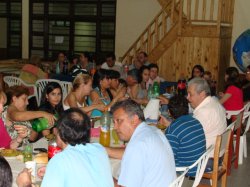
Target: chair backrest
column 66, row 87
column 230, row 113
column 201, row 164
column 247, row 116
column 179, row 180
column 15, row 81
column 238, row 120
column 40, row 86
column 12, row 81
column 247, row 107
column 231, row 126
column 221, row 148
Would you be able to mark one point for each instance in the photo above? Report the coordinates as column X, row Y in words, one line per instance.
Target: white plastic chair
column 243, row 139
column 15, row 81
column 179, row 180
column 66, row 87
column 40, row 86
column 230, row 113
column 201, row 164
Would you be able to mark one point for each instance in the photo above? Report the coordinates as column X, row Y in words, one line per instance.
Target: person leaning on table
column 148, row 159
column 80, row 164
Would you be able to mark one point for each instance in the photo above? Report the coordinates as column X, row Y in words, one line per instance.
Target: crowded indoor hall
column 108, row 93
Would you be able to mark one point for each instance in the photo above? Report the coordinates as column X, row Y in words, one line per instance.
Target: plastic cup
column 31, row 165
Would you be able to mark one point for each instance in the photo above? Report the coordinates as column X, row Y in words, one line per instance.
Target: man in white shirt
column 207, row 109
column 112, row 64
column 148, row 160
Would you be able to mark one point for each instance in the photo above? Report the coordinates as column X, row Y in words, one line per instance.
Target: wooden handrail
column 181, row 13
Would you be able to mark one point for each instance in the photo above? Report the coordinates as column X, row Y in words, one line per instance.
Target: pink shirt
column 5, row 139
column 235, row 102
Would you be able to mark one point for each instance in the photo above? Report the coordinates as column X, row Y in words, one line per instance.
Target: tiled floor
column 239, row 177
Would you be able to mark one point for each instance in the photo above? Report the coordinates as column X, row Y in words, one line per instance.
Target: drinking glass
column 115, row 137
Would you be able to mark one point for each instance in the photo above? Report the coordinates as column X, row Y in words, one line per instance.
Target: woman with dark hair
column 16, row 117
column 102, row 93
column 81, row 163
column 135, row 89
column 232, row 98
column 5, row 173
column 197, row 71
column 52, row 99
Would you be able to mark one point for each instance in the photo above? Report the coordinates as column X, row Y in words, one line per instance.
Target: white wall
column 132, row 17
column 241, row 21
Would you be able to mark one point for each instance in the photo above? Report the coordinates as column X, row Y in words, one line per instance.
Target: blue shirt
column 187, row 138
column 79, row 166
column 148, row 160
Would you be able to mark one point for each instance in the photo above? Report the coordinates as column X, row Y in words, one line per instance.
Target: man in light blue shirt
column 148, row 160
column 80, row 164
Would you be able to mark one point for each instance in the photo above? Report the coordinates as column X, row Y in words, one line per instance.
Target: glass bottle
column 105, row 129
column 53, row 149
column 27, row 151
column 150, row 92
column 156, row 89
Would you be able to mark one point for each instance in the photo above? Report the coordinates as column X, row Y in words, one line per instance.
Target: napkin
column 151, row 112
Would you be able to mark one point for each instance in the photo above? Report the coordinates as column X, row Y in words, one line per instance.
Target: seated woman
column 16, row 116
column 232, row 98
column 115, row 86
column 135, row 90
column 101, row 93
column 5, row 139
column 51, row 101
column 197, row 71
column 82, row 86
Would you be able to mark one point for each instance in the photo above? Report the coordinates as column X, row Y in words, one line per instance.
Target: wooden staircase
column 185, row 33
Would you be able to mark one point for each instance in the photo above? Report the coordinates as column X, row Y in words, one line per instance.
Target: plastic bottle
column 53, row 149
column 156, row 89
column 105, row 129
column 41, row 124
column 181, row 86
column 150, row 92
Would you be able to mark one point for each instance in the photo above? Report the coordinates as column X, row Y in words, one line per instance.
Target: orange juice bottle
column 105, row 129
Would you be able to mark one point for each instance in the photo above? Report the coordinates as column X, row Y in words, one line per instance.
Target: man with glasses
column 148, row 159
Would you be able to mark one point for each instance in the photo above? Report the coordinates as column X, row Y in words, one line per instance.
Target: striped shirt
column 187, row 139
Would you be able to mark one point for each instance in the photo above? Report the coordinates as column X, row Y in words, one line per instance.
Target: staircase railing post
column 180, row 17
column 219, row 16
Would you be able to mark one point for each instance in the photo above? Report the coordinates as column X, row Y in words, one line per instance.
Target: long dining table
column 17, row 166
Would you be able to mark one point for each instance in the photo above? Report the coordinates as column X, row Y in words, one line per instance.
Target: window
column 73, row 26
column 11, row 14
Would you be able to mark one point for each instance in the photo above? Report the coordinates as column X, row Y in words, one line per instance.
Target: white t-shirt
column 117, row 67
column 212, row 116
column 148, row 160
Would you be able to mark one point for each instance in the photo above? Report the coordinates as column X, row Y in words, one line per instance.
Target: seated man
column 148, row 160
column 80, row 163
column 207, row 109
column 153, row 75
column 185, row 134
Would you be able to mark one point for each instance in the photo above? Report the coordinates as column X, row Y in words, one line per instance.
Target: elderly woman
column 16, row 117
column 82, row 86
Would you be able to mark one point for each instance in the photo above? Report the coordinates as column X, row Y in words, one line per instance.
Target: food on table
column 10, row 152
column 41, row 158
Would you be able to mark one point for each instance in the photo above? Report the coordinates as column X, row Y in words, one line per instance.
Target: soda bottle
column 41, row 123
column 53, row 148
column 181, row 87
column 156, row 89
column 150, row 92
column 105, row 129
